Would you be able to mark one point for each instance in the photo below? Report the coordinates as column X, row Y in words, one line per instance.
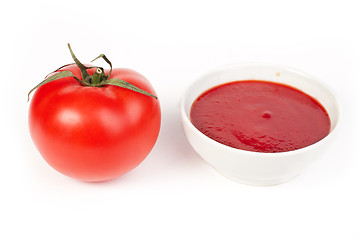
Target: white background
column 174, row 194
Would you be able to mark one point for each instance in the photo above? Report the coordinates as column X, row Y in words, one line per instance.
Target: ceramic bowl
column 257, row 168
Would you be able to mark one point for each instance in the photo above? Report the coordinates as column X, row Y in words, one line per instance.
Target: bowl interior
column 265, row 72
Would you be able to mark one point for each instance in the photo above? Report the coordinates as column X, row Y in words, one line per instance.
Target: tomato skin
column 94, row 133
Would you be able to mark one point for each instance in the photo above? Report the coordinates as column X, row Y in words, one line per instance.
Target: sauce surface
column 260, row 116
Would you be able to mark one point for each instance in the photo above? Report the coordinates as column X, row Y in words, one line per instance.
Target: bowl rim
column 187, row 121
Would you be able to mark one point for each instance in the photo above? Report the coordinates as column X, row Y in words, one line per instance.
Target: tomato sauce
column 260, row 116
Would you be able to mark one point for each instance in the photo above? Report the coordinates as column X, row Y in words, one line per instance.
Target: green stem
column 107, row 60
column 96, row 79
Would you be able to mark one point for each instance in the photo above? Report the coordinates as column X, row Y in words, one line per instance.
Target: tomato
column 94, row 133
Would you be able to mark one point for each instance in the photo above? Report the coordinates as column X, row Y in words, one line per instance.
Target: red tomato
column 94, row 133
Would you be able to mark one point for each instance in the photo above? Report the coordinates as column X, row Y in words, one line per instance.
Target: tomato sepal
column 98, row 79
column 124, row 84
column 57, row 76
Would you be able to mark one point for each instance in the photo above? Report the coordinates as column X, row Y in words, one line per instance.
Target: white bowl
column 257, row 168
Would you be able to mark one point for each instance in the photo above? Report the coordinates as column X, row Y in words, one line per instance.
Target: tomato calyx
column 98, row 79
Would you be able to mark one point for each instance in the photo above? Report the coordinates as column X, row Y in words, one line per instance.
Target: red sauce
column 260, row 116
